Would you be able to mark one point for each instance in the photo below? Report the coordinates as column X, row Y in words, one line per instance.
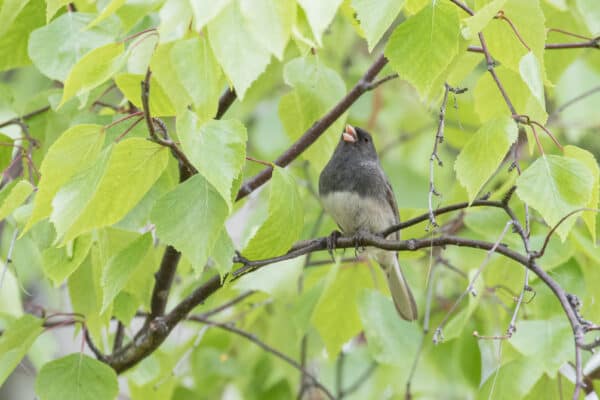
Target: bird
column 356, row 193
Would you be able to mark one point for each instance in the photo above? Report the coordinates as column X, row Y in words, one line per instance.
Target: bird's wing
column 391, row 200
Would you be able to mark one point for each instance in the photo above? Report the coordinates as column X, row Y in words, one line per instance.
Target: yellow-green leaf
column 589, row 217
column 423, row 46
column 284, row 222
column 556, row 186
column 14, row 196
column 483, row 153
column 75, row 150
column 93, row 69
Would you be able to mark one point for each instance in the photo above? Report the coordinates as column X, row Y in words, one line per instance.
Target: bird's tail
column 401, row 293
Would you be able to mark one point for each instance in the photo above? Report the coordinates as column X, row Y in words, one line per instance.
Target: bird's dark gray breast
column 364, row 178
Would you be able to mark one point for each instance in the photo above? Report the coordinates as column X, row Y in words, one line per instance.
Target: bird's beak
column 349, row 134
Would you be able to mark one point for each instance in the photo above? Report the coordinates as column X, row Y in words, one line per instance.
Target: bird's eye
column 366, row 140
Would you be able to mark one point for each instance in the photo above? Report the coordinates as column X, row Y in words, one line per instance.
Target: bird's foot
column 331, row 241
column 359, row 238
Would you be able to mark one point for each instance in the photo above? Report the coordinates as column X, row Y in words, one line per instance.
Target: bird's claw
column 358, row 239
column 331, row 241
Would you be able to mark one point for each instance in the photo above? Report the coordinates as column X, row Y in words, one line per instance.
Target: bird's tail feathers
column 400, row 291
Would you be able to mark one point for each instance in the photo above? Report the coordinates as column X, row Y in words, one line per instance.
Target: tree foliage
column 158, row 200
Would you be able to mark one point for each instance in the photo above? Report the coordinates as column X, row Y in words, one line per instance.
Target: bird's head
column 357, row 141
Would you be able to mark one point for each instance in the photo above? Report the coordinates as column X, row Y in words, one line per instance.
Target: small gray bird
column 356, row 193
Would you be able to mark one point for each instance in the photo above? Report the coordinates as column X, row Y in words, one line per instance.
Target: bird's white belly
column 353, row 212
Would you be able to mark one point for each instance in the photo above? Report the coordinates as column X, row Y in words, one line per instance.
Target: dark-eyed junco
column 356, row 193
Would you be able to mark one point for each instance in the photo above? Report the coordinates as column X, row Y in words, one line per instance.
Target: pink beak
column 349, row 134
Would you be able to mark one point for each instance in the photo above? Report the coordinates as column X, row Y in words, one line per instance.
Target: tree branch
column 225, row 101
column 18, row 120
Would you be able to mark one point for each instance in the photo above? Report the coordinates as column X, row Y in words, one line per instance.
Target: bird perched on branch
column 356, row 193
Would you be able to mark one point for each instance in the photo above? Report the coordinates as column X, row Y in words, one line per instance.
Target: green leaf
column 217, row 149
column 529, row 20
column 9, row 10
column 84, row 289
column 134, row 165
column 284, row 222
column 120, row 267
column 74, row 196
column 555, row 186
column 591, row 15
column 76, row 377
column 232, row 42
column 431, row 38
column 206, row 10
column 391, row 340
column 55, row 48
column 376, row 16
column 513, row 380
column 531, row 73
column 489, row 102
column 319, row 15
column 6, row 152
column 58, row 264
column 74, row 151
column 108, row 10
column 271, row 22
column 336, row 314
column 175, row 19
column 163, row 70
column 483, row 153
column 316, row 89
column 534, row 338
column 198, row 71
column 93, row 69
column 13, row 199
column 130, row 86
column 475, row 24
column 52, row 6
column 222, row 254
column 589, row 217
column 15, row 342
column 190, row 218
column 13, row 42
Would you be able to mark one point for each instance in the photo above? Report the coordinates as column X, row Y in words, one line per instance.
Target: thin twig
column 227, row 305
column 266, row 347
column 339, row 375
column 574, row 100
column 92, row 346
column 438, row 139
column 359, row 381
column 150, row 123
column 17, row 120
column 542, row 250
column 438, row 336
column 502, row 16
column 119, row 336
column 590, row 44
